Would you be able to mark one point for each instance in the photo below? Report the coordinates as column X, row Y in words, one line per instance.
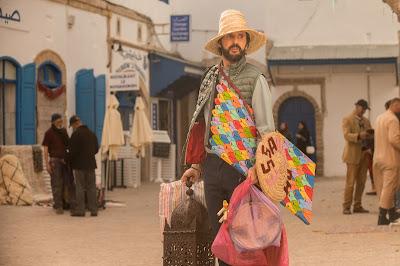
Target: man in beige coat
column 355, row 128
column 387, row 161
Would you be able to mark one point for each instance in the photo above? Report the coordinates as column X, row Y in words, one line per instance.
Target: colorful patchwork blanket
column 233, row 131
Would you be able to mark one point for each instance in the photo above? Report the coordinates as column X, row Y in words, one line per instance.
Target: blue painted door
column 26, row 106
column 85, row 97
column 100, row 104
column 294, row 110
column 91, row 100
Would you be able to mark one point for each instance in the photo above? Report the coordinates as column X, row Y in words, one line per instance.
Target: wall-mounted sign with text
column 11, row 17
column 180, row 28
column 123, row 81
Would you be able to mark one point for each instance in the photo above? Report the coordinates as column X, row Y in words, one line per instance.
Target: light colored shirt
column 262, row 106
column 387, row 140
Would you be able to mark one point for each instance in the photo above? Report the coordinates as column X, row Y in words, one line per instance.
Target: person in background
column 397, row 203
column 83, row 148
column 302, row 137
column 284, row 130
column 55, row 143
column 368, row 147
column 370, row 143
column 386, row 161
column 355, row 130
column 397, row 196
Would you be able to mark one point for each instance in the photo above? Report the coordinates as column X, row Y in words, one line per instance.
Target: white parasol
column 141, row 132
column 113, row 134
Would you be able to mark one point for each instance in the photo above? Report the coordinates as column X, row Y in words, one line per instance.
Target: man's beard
column 233, row 58
column 57, row 127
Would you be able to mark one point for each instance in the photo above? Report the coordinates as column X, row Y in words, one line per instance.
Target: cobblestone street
column 131, row 235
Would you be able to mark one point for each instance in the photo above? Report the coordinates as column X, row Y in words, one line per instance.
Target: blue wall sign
column 180, row 28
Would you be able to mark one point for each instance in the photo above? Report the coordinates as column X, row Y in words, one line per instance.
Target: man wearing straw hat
column 234, row 40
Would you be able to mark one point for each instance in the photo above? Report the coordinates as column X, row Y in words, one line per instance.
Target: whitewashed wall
column 157, row 10
column 133, row 57
column 128, row 30
column 86, row 46
column 44, row 26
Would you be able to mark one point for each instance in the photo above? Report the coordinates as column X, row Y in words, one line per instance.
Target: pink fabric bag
column 243, row 240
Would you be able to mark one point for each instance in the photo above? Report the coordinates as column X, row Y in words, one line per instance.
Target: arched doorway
column 51, row 74
column 296, row 109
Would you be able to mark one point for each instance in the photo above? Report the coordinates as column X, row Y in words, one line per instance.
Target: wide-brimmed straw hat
column 234, row 21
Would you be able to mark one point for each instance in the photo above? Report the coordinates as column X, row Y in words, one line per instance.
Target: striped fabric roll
column 171, row 194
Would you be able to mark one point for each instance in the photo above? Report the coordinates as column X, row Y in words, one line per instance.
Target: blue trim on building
column 353, row 61
column 90, row 99
column 85, row 97
column 100, row 104
column 26, row 104
column 8, row 80
column 50, row 66
column 12, row 60
column 164, row 71
column 18, row 93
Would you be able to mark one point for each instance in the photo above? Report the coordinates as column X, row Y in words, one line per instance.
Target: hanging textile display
column 171, row 194
column 233, row 131
column 300, row 188
column 286, row 174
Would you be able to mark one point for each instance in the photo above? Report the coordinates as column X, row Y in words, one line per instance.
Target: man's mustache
column 235, row 46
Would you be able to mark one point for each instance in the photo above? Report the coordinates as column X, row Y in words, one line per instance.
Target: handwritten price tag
column 272, row 167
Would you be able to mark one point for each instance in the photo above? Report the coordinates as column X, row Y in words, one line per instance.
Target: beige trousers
column 386, row 182
column 355, row 180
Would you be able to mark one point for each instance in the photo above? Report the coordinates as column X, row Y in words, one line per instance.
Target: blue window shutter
column 84, row 97
column 26, row 106
column 100, row 104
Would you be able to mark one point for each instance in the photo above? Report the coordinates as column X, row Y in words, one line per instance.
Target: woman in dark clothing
column 302, row 137
column 284, row 130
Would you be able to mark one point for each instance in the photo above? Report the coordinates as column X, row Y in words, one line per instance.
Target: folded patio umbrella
column 141, row 132
column 113, row 134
